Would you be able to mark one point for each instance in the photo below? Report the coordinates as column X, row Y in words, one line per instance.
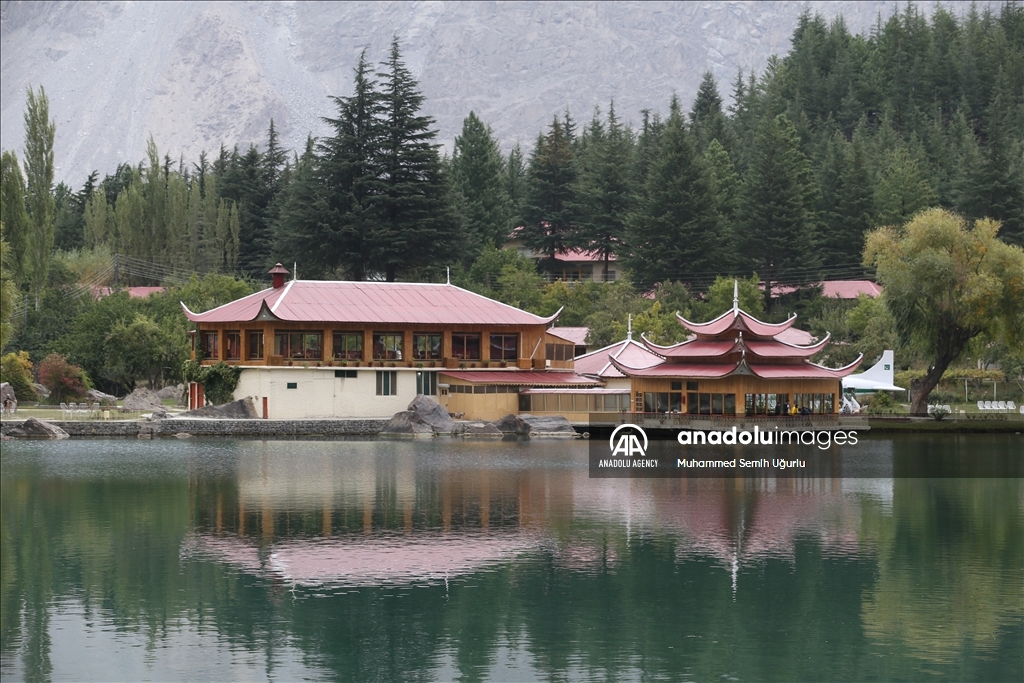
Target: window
column 818, row 404
column 504, row 346
column 465, row 346
column 613, row 402
column 387, row 383
column 292, row 385
column 677, row 386
column 209, row 345
column 233, row 345
column 345, row 374
column 426, row 383
column 426, row 346
column 765, row 404
column 558, row 351
column 300, row 345
column 348, row 345
column 255, row 345
column 691, row 386
column 711, row 404
column 387, row 346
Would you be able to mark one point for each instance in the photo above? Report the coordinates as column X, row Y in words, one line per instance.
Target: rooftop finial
column 629, row 327
column 735, row 298
column 295, row 270
column 449, row 271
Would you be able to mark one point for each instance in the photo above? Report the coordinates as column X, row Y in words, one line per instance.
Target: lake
column 444, row 559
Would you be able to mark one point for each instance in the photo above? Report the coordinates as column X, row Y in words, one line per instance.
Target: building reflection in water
column 376, row 517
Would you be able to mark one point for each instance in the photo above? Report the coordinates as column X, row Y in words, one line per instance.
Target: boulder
column 42, row 391
column 101, row 398
column 431, row 412
column 511, row 424
column 158, row 415
column 7, row 392
column 171, row 392
column 424, row 416
column 536, row 425
column 548, row 425
column 143, row 399
column 38, row 429
column 242, row 409
column 477, row 429
column 407, row 423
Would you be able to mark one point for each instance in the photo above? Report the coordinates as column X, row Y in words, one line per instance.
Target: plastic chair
column 64, row 410
column 1011, row 405
column 981, row 405
column 988, row 405
column 1002, row 406
column 72, row 409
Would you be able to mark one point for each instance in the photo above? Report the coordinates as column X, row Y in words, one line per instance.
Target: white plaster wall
column 320, row 394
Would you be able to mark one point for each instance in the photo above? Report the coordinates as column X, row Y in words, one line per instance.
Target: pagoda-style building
column 734, row 365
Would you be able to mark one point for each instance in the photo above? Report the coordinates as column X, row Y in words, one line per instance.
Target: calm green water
column 440, row 560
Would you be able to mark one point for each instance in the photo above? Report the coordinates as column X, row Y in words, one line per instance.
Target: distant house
column 835, row 289
column 133, row 292
column 571, row 265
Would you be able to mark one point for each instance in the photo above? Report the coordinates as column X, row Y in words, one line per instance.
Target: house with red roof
column 320, row 349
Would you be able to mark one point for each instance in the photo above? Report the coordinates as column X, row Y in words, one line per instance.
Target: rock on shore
column 536, row 425
column 38, row 429
column 143, row 399
column 242, row 409
column 423, row 417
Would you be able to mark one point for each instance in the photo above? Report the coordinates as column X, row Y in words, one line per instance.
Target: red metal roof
column 133, row 292
column 370, row 302
column 680, row 370
column 627, row 351
column 849, row 289
column 693, row 348
column 580, row 256
column 777, row 349
column 576, row 335
column 795, row 336
column 803, row 371
column 738, row 320
column 520, row 377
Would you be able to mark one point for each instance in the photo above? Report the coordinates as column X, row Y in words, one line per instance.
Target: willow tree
column 947, row 282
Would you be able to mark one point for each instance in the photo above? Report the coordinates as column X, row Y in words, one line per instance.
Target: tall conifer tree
column 674, row 234
column 39, row 132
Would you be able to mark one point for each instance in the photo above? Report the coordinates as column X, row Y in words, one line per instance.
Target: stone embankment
column 237, row 428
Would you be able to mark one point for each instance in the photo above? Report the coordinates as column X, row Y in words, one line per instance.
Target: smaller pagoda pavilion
column 734, row 365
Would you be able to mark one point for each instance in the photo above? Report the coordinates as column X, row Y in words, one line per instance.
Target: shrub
column 219, row 380
column 882, row 403
column 65, row 381
column 16, row 369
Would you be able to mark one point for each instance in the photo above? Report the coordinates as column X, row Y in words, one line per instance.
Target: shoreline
column 343, row 427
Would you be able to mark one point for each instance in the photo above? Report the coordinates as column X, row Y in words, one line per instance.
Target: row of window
column 387, row 382
column 779, row 404
column 694, row 403
column 574, row 403
column 484, row 389
column 349, row 346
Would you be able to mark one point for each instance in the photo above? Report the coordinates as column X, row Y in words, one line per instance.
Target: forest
column 777, row 185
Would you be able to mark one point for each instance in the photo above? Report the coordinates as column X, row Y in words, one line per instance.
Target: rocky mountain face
column 196, row 74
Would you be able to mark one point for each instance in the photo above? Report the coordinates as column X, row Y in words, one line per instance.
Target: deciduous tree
column 946, row 283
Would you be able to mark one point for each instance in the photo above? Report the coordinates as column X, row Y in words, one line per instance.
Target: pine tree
column 477, row 174
column 998, row 180
column 902, row 190
column 13, row 215
column 39, row 132
column 414, row 230
column 604, row 195
column 548, row 220
column 675, row 234
column 776, row 217
column 515, row 185
column 725, row 183
column 706, row 118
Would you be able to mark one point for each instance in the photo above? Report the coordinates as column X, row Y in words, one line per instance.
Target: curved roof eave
column 843, row 371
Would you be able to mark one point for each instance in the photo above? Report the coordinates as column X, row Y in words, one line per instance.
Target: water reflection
column 434, row 560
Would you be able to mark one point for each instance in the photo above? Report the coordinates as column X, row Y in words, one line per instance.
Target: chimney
column 277, row 274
